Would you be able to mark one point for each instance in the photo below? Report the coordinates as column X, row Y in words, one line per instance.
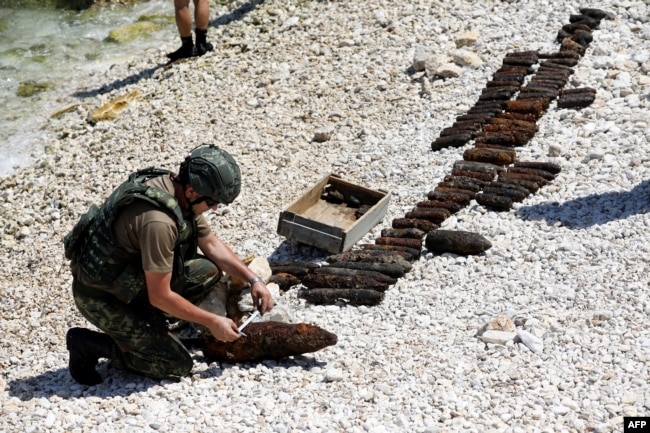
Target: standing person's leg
column 184, row 24
column 201, row 20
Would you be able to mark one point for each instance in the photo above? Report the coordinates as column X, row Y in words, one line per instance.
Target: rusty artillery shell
column 555, row 66
column 391, row 270
column 494, row 201
column 560, row 55
column 553, row 75
column 515, row 69
column 298, row 263
column 450, row 141
column 550, row 94
column 460, row 184
column 350, row 272
column 474, row 174
column 488, row 111
column 495, row 105
column 500, row 126
column 500, row 95
column 541, row 90
column 515, row 194
column 529, row 185
column 526, row 117
column 456, row 242
column 501, row 83
column 507, row 138
column 449, row 205
column 420, row 224
column 519, row 61
column 362, row 210
column 515, row 123
column 461, row 199
column 298, row 271
column 551, row 167
column 481, row 145
column 452, row 130
column 269, row 340
column 435, row 215
column 550, row 79
column 376, row 254
column 329, row 281
column 597, row 14
column 477, row 166
column 404, row 254
column 476, row 117
column 584, row 19
column 412, row 233
column 573, row 27
column 531, row 106
column 581, row 37
column 534, row 171
column 444, row 189
column 578, row 90
column 471, row 125
column 576, row 100
column 463, row 179
column 539, row 180
column 503, row 88
column 508, row 77
column 491, row 156
column 570, row 45
column 284, row 281
column 536, row 86
column 402, row 242
column 566, row 61
column 332, row 296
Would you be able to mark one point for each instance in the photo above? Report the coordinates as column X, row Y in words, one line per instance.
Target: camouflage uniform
column 109, row 286
column 144, row 343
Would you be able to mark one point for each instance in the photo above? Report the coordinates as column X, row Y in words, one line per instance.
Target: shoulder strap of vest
column 134, row 188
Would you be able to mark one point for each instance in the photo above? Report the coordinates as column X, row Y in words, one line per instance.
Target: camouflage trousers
column 144, row 344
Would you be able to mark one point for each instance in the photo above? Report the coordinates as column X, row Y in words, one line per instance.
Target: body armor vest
column 105, row 265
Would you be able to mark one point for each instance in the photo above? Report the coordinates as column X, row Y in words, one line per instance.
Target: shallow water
column 57, row 48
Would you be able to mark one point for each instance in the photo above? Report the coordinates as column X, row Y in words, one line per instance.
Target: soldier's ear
column 189, row 191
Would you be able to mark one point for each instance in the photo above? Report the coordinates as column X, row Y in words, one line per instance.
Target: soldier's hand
column 224, row 329
column 262, row 298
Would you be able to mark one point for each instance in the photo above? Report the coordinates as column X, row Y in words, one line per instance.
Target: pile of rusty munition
column 504, row 118
column 524, row 86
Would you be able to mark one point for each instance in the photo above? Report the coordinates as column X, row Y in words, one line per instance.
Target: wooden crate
column 333, row 227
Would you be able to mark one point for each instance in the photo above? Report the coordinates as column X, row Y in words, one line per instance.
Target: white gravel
column 568, row 266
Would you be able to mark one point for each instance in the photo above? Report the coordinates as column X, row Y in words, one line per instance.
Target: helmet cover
column 213, row 172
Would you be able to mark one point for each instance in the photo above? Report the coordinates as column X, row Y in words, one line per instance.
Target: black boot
column 186, row 49
column 202, row 45
column 86, row 347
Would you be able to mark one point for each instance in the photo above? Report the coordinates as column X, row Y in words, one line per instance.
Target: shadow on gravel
column 592, row 210
column 120, row 384
column 235, row 15
column 59, row 383
column 223, row 20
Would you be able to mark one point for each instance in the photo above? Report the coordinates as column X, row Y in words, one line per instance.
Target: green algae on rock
column 30, row 88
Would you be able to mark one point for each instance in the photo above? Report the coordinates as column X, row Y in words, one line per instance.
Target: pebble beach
column 296, row 90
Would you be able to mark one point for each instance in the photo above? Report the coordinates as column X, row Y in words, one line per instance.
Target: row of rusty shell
column 489, row 174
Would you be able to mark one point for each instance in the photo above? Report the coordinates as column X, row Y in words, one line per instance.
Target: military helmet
column 212, row 172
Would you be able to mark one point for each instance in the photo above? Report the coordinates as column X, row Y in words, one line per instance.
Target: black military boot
column 186, row 50
column 202, row 45
column 86, row 347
